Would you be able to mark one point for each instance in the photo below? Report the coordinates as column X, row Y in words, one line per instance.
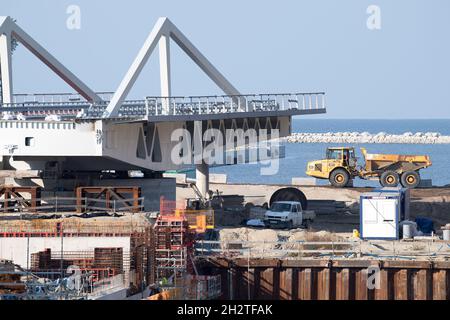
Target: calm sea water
column 298, row 155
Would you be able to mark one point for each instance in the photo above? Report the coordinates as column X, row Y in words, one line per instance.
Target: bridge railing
column 52, row 98
column 38, row 104
column 234, row 103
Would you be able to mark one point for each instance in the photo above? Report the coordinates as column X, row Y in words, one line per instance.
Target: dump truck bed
column 395, row 162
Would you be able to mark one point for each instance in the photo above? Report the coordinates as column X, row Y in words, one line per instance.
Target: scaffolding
column 173, row 250
column 134, row 262
column 176, row 274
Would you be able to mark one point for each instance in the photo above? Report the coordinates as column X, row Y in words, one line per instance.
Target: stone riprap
column 366, row 137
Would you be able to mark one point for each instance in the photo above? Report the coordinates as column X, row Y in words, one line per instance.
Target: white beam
column 164, row 28
column 135, row 70
column 6, row 68
column 7, row 24
column 183, row 42
column 164, row 67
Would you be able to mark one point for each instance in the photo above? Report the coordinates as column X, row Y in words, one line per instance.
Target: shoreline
column 368, row 138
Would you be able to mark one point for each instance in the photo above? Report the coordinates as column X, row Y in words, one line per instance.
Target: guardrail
column 234, row 103
column 56, row 97
column 29, row 105
column 69, row 204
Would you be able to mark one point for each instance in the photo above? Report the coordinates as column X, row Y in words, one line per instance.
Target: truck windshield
column 280, row 207
column 334, row 154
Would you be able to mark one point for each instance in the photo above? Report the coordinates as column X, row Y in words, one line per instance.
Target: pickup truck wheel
column 410, row 179
column 339, row 178
column 389, row 179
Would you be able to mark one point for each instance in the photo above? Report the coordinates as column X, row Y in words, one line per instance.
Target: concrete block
column 218, row 178
column 304, row 181
column 179, row 177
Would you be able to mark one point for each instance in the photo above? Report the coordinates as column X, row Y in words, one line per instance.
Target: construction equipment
column 288, row 214
column 341, row 167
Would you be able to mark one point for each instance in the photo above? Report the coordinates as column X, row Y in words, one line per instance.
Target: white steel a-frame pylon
column 163, row 31
column 9, row 29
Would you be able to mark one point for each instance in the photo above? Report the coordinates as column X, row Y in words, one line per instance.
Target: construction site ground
column 337, row 216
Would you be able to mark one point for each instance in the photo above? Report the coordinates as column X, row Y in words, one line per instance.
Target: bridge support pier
column 202, row 178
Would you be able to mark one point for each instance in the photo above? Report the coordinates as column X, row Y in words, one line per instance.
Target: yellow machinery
column 198, row 220
column 340, row 167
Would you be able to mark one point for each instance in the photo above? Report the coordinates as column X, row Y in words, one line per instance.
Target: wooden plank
column 257, row 283
column 305, row 284
column 286, row 284
column 440, row 285
column 323, row 284
column 240, row 288
column 246, row 283
column 421, row 283
column 361, row 288
column 343, row 284
column 382, row 293
column 251, row 283
column 266, row 284
column 401, row 285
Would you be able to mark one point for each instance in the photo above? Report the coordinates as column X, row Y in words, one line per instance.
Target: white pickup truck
column 288, row 214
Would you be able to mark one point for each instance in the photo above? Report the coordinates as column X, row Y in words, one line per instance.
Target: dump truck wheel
column 410, row 179
column 389, row 179
column 339, row 178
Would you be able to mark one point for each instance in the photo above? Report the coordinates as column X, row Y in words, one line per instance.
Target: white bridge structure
column 89, row 131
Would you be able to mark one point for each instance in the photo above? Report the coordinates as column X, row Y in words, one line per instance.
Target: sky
column 401, row 70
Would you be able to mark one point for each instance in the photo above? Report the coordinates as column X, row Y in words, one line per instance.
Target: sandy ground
column 331, row 227
column 268, row 243
column 432, row 202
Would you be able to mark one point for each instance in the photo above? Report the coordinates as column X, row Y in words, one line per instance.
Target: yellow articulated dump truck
column 341, row 166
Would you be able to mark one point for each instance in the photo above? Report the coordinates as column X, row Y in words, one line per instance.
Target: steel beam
column 164, row 67
column 9, row 27
column 6, row 68
column 162, row 31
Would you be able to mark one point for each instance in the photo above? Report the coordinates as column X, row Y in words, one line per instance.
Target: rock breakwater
column 368, row 138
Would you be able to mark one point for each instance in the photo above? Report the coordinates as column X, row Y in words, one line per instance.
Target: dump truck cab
column 339, row 166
